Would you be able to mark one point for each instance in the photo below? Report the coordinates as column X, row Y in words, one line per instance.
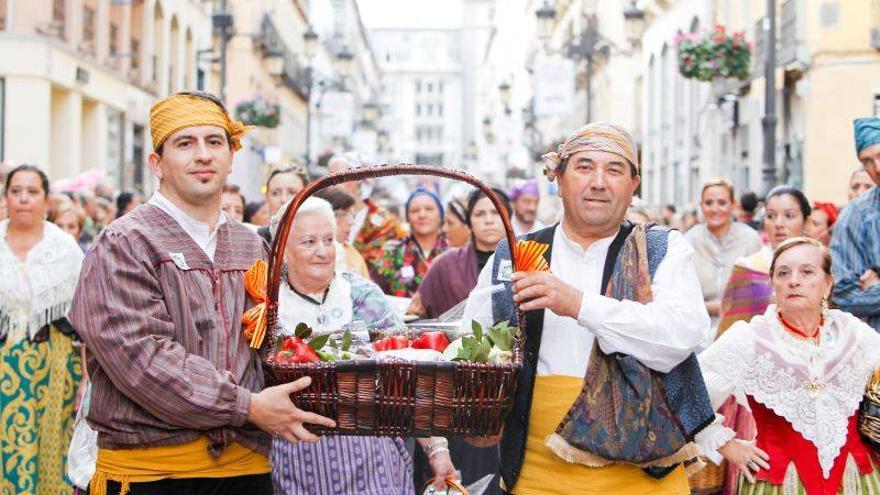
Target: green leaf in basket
column 302, row 330
column 478, row 330
column 346, row 340
column 474, row 350
column 333, row 345
column 503, row 335
column 319, row 342
column 325, row 356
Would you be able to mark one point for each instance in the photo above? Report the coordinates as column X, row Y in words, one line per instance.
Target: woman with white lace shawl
column 801, row 369
column 40, row 366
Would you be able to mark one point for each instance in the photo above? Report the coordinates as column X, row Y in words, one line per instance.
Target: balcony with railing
column 283, row 61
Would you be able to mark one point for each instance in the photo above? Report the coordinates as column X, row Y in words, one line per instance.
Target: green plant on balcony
column 715, row 54
column 259, row 112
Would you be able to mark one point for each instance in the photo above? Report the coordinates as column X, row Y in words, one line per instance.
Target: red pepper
column 297, row 352
column 431, row 340
column 289, row 343
column 391, row 343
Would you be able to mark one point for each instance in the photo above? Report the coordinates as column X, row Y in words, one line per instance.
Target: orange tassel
column 254, row 319
column 530, row 256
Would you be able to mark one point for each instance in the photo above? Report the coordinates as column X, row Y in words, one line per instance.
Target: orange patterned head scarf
column 188, row 110
column 597, row 136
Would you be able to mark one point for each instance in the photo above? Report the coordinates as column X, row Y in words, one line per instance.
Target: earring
column 824, row 307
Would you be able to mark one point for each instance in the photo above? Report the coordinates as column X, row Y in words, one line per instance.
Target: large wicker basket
column 869, row 413
column 396, row 398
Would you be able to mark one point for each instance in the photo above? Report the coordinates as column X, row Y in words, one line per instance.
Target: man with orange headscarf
column 609, row 398
column 176, row 390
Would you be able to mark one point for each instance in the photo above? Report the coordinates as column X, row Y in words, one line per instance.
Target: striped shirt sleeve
column 854, row 250
column 120, row 309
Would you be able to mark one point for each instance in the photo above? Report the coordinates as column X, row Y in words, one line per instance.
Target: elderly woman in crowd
column 313, row 292
column 403, row 264
column 455, row 224
column 40, row 367
column 347, row 257
column 72, row 219
column 801, row 369
column 821, row 222
column 748, row 291
column 282, row 185
column 719, row 242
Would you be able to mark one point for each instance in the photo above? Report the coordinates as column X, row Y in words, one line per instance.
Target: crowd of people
column 127, row 309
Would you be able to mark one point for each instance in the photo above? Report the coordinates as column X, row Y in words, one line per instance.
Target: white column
column 125, row 39
column 94, row 145
column 164, row 57
column 66, row 134
column 28, row 116
column 102, row 31
column 74, row 23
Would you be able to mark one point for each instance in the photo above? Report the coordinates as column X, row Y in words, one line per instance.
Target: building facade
column 827, row 68
column 77, row 79
column 431, row 86
column 267, row 85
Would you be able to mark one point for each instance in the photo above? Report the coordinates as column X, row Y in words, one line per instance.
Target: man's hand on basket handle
column 273, row 412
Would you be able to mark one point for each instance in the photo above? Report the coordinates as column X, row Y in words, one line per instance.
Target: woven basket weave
column 869, row 413
column 396, row 398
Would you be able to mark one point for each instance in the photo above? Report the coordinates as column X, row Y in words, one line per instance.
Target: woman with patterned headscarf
column 402, row 265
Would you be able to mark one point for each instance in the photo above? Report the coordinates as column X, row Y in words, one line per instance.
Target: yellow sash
column 545, row 473
column 190, row 460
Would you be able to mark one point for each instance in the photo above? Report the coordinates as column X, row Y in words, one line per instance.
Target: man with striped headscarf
column 619, row 310
column 176, row 390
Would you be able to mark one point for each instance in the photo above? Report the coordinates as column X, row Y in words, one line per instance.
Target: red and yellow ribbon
column 254, row 319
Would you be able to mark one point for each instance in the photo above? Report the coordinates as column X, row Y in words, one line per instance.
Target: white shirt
column 200, row 232
column 660, row 334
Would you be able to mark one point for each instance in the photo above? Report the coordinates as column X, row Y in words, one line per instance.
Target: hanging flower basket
column 258, row 112
column 715, row 54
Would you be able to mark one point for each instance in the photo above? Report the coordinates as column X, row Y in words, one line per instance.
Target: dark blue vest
column 687, row 396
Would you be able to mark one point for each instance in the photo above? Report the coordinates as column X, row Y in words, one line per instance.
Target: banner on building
column 554, row 86
column 337, row 113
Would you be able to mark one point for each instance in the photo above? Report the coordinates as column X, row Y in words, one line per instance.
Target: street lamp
column 504, row 95
column 634, row 22
column 310, row 42
column 487, row 129
column 545, row 14
column 343, row 60
column 275, row 63
column 589, row 6
column 370, row 111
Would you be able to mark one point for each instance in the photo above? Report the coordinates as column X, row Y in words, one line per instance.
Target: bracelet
column 437, row 451
column 440, row 443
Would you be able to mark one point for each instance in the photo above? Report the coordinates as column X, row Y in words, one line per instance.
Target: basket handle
column 452, row 482
column 280, row 240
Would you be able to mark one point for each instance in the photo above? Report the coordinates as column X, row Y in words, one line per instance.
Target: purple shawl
column 450, row 279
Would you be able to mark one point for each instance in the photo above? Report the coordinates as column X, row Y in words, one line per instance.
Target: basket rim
column 279, row 241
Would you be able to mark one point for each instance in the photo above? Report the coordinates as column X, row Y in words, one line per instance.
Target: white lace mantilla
column 40, row 289
column 815, row 388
